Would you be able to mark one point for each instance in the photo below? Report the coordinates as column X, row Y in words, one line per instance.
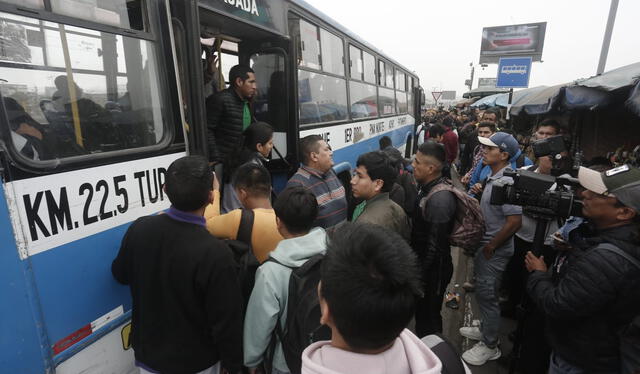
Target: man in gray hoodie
column 296, row 210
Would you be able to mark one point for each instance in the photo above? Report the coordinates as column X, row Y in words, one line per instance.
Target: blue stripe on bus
column 350, row 153
column 75, row 284
column 24, row 348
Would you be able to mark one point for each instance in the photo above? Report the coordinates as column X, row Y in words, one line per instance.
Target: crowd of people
column 233, row 278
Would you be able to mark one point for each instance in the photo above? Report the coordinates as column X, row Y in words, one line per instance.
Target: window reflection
column 387, row 101
column 121, row 13
column 109, row 100
column 309, row 45
column 364, row 101
column 321, row 98
column 332, row 53
column 401, row 98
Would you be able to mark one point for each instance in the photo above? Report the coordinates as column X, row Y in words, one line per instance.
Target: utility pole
column 607, row 36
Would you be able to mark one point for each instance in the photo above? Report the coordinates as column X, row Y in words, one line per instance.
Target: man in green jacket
column 373, row 179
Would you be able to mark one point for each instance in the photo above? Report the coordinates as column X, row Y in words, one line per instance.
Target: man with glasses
column 597, row 295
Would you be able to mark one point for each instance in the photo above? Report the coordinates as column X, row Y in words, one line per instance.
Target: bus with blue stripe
column 97, row 99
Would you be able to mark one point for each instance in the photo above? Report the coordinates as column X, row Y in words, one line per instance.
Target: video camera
column 554, row 147
column 531, row 191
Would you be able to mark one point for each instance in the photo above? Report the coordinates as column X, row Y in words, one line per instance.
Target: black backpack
column 630, row 334
column 246, row 261
column 303, row 313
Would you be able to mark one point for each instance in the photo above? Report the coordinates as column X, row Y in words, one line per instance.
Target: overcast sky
column 439, row 38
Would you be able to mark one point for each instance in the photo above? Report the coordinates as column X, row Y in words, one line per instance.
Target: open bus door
column 267, row 54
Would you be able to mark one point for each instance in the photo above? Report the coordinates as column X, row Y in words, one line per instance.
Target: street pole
column 607, row 36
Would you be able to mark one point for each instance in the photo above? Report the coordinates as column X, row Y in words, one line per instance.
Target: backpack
column 446, row 352
column 468, row 226
column 410, row 187
column 630, row 334
column 303, row 313
column 246, row 261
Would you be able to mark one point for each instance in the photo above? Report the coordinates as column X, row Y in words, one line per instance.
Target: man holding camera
column 501, row 222
column 592, row 302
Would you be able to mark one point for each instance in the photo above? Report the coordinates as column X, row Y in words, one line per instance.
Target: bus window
column 389, row 76
column 332, row 53
column 400, row 81
column 126, row 14
column 64, row 93
column 355, row 63
column 381, row 73
column 322, row 98
column 37, row 4
column 309, row 45
column 401, row 99
column 369, row 68
column 364, row 101
column 270, row 102
column 386, row 101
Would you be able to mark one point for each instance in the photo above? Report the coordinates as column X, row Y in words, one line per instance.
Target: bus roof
column 333, row 23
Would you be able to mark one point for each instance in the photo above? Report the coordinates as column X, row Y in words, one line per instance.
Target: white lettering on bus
column 248, row 6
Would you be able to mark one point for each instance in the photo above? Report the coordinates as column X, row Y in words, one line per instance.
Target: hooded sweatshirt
column 408, row 355
column 268, row 301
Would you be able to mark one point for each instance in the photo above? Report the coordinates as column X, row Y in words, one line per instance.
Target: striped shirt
column 329, row 192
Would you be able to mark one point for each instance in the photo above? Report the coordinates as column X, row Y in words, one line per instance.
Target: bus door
column 271, row 105
column 89, row 122
column 235, row 42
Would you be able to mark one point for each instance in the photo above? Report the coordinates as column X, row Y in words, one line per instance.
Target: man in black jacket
column 599, row 291
column 187, row 315
column 229, row 113
column 432, row 225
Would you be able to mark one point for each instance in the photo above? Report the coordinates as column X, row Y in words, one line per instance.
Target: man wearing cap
column 496, row 248
column 598, row 294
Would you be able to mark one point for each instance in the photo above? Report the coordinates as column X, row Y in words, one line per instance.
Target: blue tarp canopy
column 537, row 100
column 488, row 101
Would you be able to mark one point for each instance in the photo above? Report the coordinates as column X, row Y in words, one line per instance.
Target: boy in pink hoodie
column 369, row 282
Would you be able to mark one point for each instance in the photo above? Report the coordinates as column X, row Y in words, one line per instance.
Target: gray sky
column 439, row 38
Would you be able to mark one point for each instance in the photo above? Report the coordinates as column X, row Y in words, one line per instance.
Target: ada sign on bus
column 513, row 72
column 52, row 210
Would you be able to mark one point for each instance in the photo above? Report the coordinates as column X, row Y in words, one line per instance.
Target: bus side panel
column 349, row 141
column 20, row 348
column 75, row 283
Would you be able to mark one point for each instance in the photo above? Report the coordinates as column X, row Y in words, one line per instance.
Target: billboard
column 487, row 82
column 448, row 95
column 512, row 40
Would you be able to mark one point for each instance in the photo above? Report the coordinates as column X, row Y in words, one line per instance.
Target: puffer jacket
column 224, row 123
column 598, row 294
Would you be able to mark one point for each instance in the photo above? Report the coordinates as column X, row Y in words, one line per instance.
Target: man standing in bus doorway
column 316, row 175
column 187, row 308
column 229, row 114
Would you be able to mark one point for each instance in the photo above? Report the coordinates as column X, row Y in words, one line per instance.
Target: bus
column 98, row 97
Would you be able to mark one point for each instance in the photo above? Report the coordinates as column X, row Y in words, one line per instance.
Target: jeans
column 488, row 274
column 559, row 366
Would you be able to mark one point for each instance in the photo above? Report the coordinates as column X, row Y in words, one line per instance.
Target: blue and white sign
column 513, row 72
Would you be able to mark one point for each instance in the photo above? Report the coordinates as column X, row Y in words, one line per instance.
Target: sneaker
column 479, row 354
column 472, row 332
column 469, row 286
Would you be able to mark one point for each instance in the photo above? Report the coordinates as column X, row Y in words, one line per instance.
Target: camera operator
column 535, row 352
column 515, row 273
column 597, row 295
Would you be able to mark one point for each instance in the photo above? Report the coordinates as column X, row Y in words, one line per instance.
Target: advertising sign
column 448, row 95
column 514, row 72
column 487, row 82
column 513, row 40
